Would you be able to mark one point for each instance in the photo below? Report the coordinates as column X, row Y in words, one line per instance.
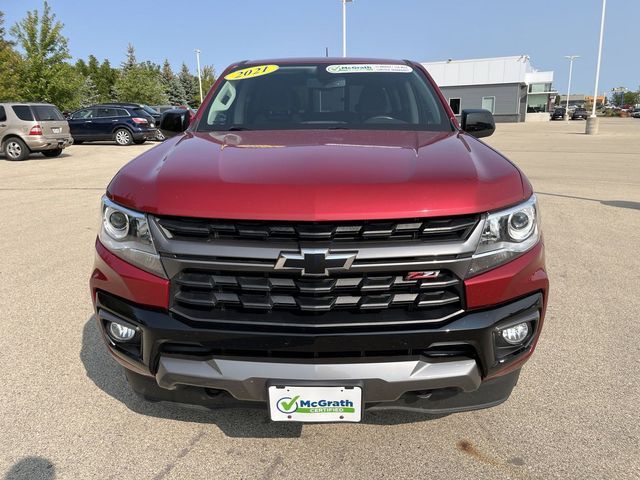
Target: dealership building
column 509, row 87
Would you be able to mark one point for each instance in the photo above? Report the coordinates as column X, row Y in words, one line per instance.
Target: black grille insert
column 200, row 294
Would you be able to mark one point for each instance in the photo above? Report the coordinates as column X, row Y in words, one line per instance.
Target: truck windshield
column 323, row 96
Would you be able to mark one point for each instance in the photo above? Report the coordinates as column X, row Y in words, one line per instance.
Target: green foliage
column 105, row 80
column 82, row 68
column 88, row 94
column 208, row 78
column 190, row 85
column 93, row 66
column 172, row 86
column 9, row 67
column 626, row 98
column 44, row 73
column 102, row 76
column 36, row 68
column 139, row 82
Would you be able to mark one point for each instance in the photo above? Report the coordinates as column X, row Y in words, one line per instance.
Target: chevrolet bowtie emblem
column 315, row 261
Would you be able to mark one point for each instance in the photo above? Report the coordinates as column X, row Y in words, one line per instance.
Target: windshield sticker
column 252, row 72
column 367, row 68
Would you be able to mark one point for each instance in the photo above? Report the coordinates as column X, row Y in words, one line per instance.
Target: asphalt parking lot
column 66, row 411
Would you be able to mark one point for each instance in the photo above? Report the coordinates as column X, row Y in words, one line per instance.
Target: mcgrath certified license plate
column 315, row 404
column 56, row 129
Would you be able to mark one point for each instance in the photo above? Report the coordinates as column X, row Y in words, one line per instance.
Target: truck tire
column 15, row 149
column 123, row 137
column 52, row 153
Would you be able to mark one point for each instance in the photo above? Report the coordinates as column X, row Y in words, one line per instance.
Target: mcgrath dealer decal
column 251, row 72
column 369, row 68
column 299, row 405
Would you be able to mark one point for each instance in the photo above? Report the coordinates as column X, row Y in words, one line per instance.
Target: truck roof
column 323, row 60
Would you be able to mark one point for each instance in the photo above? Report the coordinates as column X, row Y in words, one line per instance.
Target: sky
column 424, row 30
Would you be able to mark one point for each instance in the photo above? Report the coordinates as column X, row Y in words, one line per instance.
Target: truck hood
column 313, row 175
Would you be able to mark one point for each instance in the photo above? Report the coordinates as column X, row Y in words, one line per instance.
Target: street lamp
column 592, row 121
column 571, row 59
column 199, row 74
column 344, row 26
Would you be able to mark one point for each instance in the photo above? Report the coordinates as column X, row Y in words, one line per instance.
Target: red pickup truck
column 323, row 238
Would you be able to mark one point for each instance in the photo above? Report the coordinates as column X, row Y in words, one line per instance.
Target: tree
column 44, row 73
column 208, row 78
column 175, row 92
column 88, row 94
column 9, row 67
column 190, row 85
column 105, row 81
column 139, row 82
column 81, row 67
column 172, row 86
column 631, row 98
column 131, row 61
column 93, row 67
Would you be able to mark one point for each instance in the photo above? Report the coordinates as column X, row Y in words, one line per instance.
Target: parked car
column 123, row 123
column 558, row 113
column 151, row 111
column 636, row 113
column 163, row 108
column 27, row 128
column 579, row 113
column 324, row 238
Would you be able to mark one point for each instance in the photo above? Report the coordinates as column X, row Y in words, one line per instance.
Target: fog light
column 516, row 334
column 121, row 333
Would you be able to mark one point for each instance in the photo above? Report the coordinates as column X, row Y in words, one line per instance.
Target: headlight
column 507, row 234
column 125, row 233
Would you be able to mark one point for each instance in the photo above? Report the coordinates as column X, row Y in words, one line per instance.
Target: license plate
column 315, row 404
column 56, row 129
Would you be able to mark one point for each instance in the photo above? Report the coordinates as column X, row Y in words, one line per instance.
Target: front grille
column 431, row 229
column 255, row 298
column 229, row 274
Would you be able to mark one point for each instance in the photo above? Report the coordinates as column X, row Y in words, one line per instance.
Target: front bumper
column 452, row 367
column 41, row 142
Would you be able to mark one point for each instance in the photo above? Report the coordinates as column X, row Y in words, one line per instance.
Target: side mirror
column 478, row 123
column 174, row 121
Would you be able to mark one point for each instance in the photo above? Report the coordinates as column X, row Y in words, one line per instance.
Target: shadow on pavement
column 35, row 156
column 608, row 203
column 109, row 377
column 32, row 468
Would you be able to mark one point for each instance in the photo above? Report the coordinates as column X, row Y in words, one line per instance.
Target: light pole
column 592, row 121
column 344, row 26
column 199, row 74
column 571, row 59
